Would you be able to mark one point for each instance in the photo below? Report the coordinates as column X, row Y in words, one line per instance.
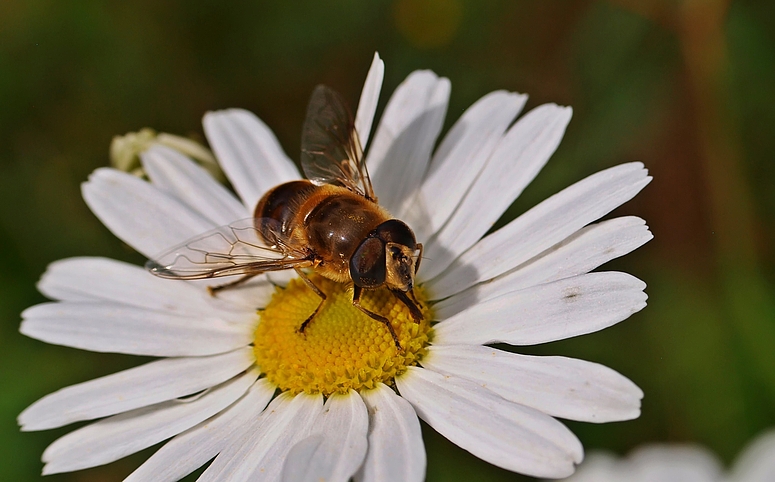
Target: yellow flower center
column 342, row 347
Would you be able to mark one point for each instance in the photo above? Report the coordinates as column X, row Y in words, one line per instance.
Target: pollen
column 342, row 347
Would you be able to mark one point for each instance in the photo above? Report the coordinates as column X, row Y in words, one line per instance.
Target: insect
column 330, row 223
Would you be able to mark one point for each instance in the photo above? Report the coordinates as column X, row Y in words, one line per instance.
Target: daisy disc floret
column 344, row 348
column 237, row 384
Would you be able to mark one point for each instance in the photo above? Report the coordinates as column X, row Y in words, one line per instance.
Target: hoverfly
column 330, row 223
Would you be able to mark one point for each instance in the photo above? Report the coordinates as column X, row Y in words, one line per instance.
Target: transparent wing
column 331, row 151
column 236, row 249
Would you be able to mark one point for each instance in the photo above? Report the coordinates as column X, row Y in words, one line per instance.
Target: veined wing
column 331, row 151
column 235, row 249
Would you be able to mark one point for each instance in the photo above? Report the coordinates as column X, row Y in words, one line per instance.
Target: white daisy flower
column 244, row 388
column 681, row 463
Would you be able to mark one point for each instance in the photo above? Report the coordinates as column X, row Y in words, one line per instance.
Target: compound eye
column 367, row 265
column 395, row 231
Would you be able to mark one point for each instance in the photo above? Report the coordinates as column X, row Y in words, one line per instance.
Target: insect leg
column 411, row 295
column 317, row 291
column 412, row 305
column 215, row 289
column 357, row 290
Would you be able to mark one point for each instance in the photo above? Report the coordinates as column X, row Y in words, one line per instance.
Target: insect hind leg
column 317, row 291
column 213, row 290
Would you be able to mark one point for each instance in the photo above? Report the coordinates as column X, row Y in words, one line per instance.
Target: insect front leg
column 412, row 305
column 357, row 290
column 419, row 258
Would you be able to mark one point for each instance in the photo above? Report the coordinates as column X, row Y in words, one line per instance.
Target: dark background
column 688, row 87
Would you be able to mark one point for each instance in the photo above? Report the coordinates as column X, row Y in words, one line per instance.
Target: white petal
column 542, row 227
column 178, row 175
column 137, row 387
column 598, row 467
column 517, row 159
column 251, row 295
column 580, row 253
column 757, row 461
column 672, row 464
column 367, row 106
column 460, row 158
column 396, row 450
column 102, row 279
column 140, row 214
column 403, row 142
column 281, row 278
column 118, row 436
column 337, row 445
column 248, row 152
column 661, row 463
column 258, row 453
column 107, row 327
column 500, row 432
column 195, row 447
column 559, row 386
column 553, row 311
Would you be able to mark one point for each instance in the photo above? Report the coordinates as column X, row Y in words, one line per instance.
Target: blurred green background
column 688, row 87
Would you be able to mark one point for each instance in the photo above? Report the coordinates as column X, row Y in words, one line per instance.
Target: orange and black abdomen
column 281, row 204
